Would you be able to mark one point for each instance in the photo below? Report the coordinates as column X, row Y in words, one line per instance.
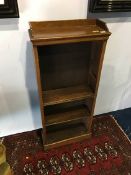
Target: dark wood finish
column 64, row 95
column 67, row 115
column 98, row 6
column 9, row 9
column 65, row 135
column 68, row 58
column 40, row 90
column 98, row 73
column 69, row 62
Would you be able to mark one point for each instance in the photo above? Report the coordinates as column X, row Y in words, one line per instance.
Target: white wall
column 19, row 107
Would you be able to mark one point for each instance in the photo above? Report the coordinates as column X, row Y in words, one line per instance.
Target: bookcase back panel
column 63, row 107
column 96, row 51
column 64, row 65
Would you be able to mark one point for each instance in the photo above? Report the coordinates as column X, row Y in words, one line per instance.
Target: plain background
column 19, row 105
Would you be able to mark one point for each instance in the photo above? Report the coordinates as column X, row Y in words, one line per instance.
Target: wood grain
column 64, row 95
column 67, row 115
column 68, row 56
column 52, row 31
column 66, row 135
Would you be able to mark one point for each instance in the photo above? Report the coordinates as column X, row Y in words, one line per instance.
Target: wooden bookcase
column 68, row 58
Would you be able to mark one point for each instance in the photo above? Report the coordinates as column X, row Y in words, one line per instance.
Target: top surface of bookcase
column 49, row 31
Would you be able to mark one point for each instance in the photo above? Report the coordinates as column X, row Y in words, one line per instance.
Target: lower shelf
column 66, row 135
column 65, row 116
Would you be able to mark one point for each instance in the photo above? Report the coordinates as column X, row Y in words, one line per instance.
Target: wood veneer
column 68, row 58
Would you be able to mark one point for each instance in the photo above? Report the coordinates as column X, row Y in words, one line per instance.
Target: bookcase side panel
column 37, row 68
column 97, row 76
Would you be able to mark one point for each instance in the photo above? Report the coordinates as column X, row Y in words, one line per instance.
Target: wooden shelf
column 69, row 94
column 69, row 134
column 68, row 58
column 67, row 115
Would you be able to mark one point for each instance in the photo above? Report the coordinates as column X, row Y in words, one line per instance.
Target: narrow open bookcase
column 68, row 58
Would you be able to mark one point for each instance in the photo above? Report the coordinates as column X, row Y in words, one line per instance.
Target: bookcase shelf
column 68, row 57
column 68, row 94
column 68, row 133
column 67, row 115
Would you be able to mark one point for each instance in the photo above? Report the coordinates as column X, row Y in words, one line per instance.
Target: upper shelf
column 51, row 32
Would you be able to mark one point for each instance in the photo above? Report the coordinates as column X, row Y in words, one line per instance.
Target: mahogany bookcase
column 68, row 57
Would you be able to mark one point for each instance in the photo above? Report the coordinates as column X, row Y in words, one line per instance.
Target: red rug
column 108, row 152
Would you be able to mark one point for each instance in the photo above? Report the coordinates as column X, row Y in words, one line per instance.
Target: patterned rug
column 108, row 152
